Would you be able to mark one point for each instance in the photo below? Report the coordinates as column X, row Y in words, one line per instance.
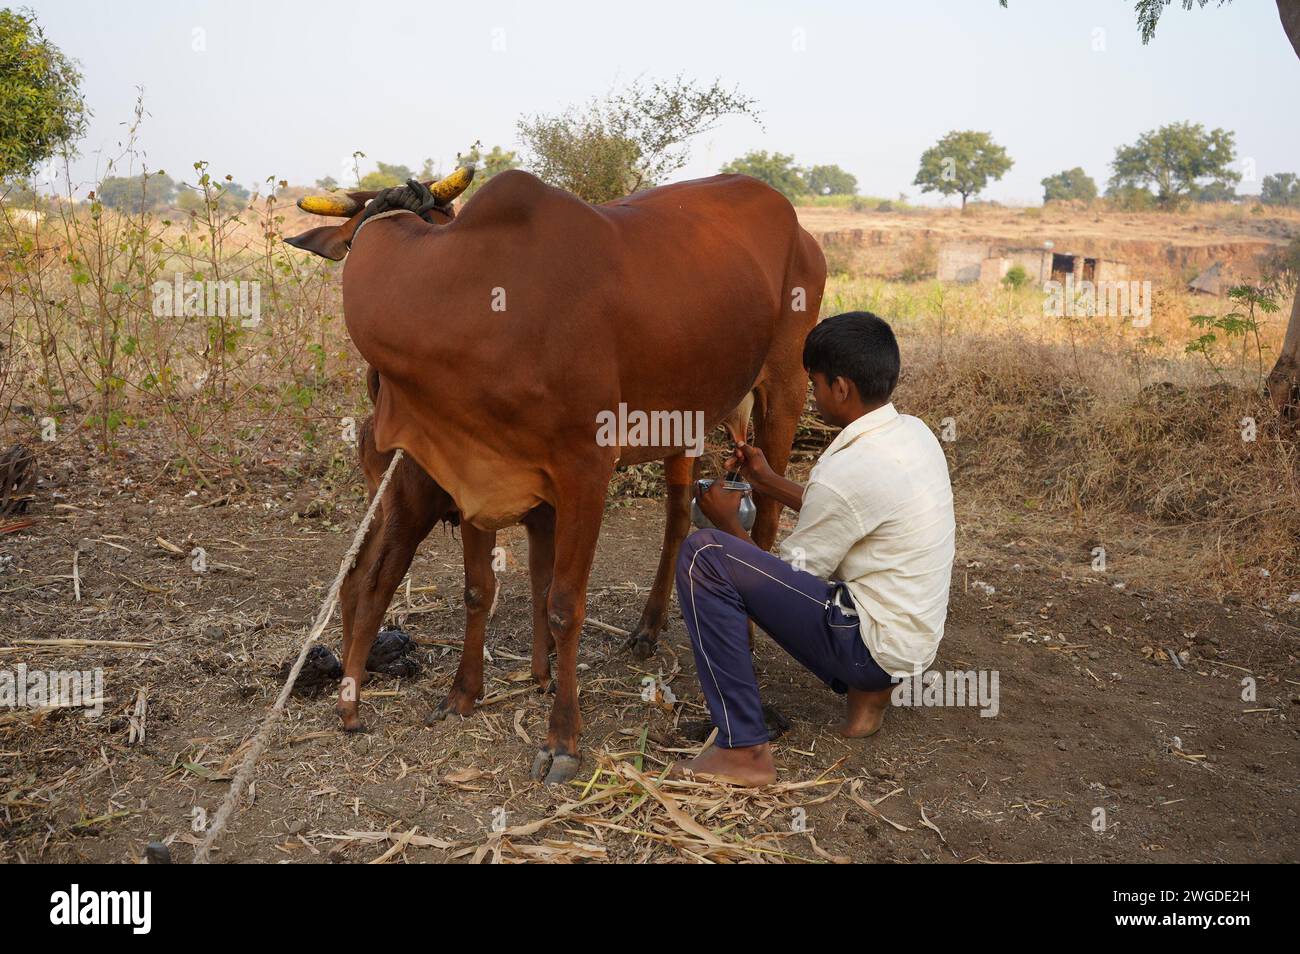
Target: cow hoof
column 642, row 645
column 552, row 769
column 563, row 768
column 450, row 708
column 440, row 713
column 350, row 718
column 541, row 764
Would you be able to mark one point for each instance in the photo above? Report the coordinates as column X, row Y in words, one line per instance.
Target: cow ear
column 327, row 241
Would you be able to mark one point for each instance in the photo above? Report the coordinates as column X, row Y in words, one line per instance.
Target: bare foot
column 865, row 713
column 749, row 765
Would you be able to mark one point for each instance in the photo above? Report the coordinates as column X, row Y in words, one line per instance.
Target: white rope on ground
column 255, row 750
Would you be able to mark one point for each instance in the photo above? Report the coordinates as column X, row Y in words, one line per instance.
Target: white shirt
column 877, row 514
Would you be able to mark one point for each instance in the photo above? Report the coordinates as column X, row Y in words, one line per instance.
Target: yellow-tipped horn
column 453, row 185
column 342, row 205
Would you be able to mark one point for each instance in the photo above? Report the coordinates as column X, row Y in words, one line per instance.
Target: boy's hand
column 721, row 506
column 752, row 464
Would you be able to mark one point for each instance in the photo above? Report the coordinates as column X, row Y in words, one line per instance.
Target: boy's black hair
column 858, row 346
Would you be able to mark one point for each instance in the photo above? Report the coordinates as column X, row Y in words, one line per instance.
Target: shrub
column 920, row 262
column 1016, row 277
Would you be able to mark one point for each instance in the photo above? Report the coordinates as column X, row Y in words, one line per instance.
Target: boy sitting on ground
column 859, row 594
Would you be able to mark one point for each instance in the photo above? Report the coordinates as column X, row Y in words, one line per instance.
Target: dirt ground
column 1096, row 709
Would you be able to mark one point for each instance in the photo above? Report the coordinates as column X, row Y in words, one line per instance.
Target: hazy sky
column 292, row 88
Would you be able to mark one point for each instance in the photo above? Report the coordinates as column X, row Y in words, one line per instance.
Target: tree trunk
column 1284, row 380
column 1289, row 11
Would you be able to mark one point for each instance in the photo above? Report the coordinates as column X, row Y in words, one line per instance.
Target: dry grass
column 675, row 819
column 1168, row 460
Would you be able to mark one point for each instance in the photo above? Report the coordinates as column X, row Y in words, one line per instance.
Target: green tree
column 1177, row 162
column 582, row 155
column 329, row 183
column 1216, row 192
column 41, row 106
column 1070, row 184
column 630, row 140
column 386, row 176
column 1150, row 11
column 1131, row 198
column 962, row 163
column 1281, row 189
column 777, row 170
column 831, row 180
column 486, row 164
column 137, row 194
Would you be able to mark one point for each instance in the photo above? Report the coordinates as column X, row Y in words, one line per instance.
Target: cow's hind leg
column 403, row 519
column 480, row 596
column 678, row 472
column 776, row 415
column 540, row 523
column 782, row 390
column 577, row 525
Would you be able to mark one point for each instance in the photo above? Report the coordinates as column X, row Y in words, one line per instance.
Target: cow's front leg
column 480, row 595
column 577, row 526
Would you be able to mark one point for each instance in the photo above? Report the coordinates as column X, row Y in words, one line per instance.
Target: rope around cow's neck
column 375, row 218
column 255, row 750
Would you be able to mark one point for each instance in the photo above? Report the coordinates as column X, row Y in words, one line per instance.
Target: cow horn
column 341, row 205
column 444, row 190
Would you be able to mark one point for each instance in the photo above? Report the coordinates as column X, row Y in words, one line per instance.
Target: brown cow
column 413, row 505
column 502, row 335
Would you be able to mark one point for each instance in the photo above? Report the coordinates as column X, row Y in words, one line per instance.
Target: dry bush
column 919, row 261
column 91, row 345
column 840, row 260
